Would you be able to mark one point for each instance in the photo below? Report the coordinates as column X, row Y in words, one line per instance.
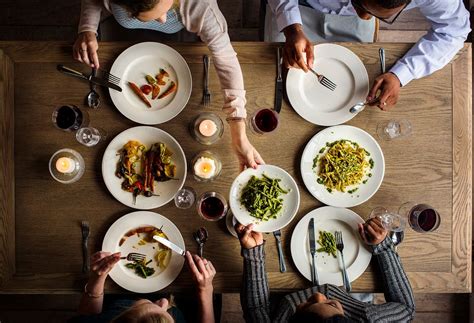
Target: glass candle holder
column 206, row 166
column 66, row 166
column 207, row 128
column 212, row 206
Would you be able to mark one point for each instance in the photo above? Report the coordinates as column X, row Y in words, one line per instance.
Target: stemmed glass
column 390, row 221
column 90, row 136
column 185, row 198
column 421, row 217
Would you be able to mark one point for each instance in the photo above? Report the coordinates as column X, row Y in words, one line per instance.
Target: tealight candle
column 65, row 165
column 207, row 128
column 205, row 167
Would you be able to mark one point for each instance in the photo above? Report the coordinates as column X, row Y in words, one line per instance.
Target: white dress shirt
column 449, row 29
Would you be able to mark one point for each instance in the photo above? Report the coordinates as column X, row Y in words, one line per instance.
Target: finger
column 191, row 264
column 309, row 54
column 301, row 62
column 373, row 91
column 372, row 231
column 251, row 161
column 362, row 232
column 99, row 255
column 95, row 59
column 111, row 261
column 384, row 96
column 239, row 227
column 85, row 57
column 212, row 268
column 258, row 159
column 286, row 59
column 200, row 264
column 99, row 264
column 377, row 226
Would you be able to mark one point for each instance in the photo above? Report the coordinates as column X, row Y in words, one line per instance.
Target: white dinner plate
column 356, row 254
column 165, row 191
column 147, row 58
column 316, row 103
column 125, row 277
column 291, row 200
column 336, row 198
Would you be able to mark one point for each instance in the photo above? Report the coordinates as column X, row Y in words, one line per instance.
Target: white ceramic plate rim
column 300, row 252
column 147, row 136
column 133, row 108
column 339, row 199
column 342, row 115
column 291, row 201
column 134, row 220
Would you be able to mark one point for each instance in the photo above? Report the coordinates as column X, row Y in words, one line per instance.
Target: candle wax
column 207, row 128
column 205, row 167
column 65, row 165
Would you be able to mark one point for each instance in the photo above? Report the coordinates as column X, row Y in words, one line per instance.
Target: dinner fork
column 109, row 77
column 277, row 235
column 324, row 80
column 134, row 256
column 206, row 94
column 340, row 247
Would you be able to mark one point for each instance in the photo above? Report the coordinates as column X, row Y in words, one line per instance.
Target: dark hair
column 135, row 7
column 310, row 317
column 390, row 4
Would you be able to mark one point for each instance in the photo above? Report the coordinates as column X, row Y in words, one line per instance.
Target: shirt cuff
column 385, row 245
column 254, row 254
column 402, row 72
column 234, row 104
column 288, row 17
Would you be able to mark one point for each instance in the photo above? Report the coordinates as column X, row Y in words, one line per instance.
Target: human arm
column 400, row 305
column 449, row 29
column 93, row 297
column 254, row 295
column 86, row 45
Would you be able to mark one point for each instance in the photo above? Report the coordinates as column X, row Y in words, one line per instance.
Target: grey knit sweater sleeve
column 255, row 296
column 400, row 304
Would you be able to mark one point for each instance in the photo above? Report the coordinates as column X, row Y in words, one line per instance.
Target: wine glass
column 390, row 221
column 421, row 217
column 90, row 136
column 185, row 198
column 394, row 129
column 264, row 121
column 69, row 118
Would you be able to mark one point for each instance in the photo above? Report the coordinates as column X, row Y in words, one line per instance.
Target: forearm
column 254, row 295
column 93, row 297
column 90, row 15
column 206, row 306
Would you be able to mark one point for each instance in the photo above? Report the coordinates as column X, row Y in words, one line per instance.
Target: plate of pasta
column 342, row 166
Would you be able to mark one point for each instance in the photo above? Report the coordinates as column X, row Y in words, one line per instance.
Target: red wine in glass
column 424, row 218
column 68, row 118
column 212, row 206
column 264, row 120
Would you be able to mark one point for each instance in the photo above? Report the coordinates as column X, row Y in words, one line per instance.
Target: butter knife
column 278, row 83
column 312, row 248
column 90, row 78
column 170, row 245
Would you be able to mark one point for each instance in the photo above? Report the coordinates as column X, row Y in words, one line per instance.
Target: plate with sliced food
column 156, row 83
column 156, row 266
column 144, row 167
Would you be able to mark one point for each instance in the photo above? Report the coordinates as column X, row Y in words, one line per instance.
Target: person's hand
column 372, row 231
column 202, row 271
column 102, row 263
column 85, row 49
column 246, row 153
column 389, row 86
column 295, row 45
column 248, row 238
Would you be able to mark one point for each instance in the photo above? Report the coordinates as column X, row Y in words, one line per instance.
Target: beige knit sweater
column 204, row 18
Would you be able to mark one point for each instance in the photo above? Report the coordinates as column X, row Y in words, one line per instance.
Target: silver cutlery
column 201, row 236
column 85, row 229
column 110, row 82
column 382, row 59
column 278, row 83
column 324, row 81
column 134, row 256
column 340, row 247
column 170, row 245
column 312, row 248
column 206, row 94
column 93, row 99
column 277, row 235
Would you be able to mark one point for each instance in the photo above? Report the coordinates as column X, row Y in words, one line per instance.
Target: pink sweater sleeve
column 90, row 15
column 204, row 18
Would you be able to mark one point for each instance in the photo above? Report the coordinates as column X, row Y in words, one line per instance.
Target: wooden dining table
column 40, row 234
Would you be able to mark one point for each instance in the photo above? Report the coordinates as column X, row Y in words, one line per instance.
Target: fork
column 110, row 77
column 340, row 247
column 206, row 94
column 134, row 256
column 324, row 80
column 277, row 235
column 85, row 229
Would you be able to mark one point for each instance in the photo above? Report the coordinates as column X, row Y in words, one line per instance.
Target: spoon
column 358, row 107
column 201, row 236
column 93, row 99
column 396, row 237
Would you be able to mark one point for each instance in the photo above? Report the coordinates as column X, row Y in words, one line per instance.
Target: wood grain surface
column 431, row 166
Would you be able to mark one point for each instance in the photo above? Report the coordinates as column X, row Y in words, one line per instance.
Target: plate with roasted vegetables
column 133, row 233
column 143, row 167
column 267, row 196
column 328, row 220
column 156, row 83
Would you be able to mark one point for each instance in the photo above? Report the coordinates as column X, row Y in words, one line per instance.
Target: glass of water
column 394, row 129
column 90, row 136
column 390, row 221
column 185, row 197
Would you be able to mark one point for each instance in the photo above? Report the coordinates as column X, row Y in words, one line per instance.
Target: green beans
column 261, row 197
column 327, row 242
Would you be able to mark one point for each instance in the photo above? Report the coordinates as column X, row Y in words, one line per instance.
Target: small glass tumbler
column 66, row 166
column 212, row 206
column 394, row 129
column 69, row 118
column 264, row 121
column 90, row 136
column 185, row 198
